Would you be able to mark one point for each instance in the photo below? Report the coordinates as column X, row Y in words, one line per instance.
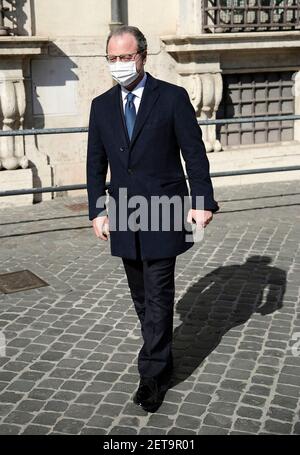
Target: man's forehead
column 126, row 40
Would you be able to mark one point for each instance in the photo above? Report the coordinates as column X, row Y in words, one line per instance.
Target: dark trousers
column 152, row 288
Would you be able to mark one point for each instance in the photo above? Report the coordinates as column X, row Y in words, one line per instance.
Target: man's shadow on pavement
column 221, row 300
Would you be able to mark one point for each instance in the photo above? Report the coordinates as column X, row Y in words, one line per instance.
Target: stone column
column 204, row 83
column 296, row 92
column 12, row 108
column 21, row 164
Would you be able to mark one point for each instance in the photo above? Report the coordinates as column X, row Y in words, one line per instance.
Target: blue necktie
column 130, row 113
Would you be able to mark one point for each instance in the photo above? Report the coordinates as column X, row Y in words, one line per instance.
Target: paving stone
column 276, row 427
column 63, row 373
column 262, row 379
column 266, row 370
column 30, row 405
column 19, row 417
column 205, row 388
column 192, row 409
column 259, row 390
column 15, row 366
column 237, row 374
column 64, row 396
column 51, row 383
column 284, row 415
column 117, row 430
column 217, row 420
column 198, row 398
column 134, row 410
column 288, row 390
column 220, row 407
column 93, row 431
column 289, row 379
column 31, row 376
column 7, row 376
column 10, row 397
column 248, row 411
column 69, row 363
column 188, row 422
column 242, row 364
column 180, row 431
column 232, row 384
column 129, row 421
column 79, row 411
column 247, row 425
column 68, row 426
column 253, row 400
column 98, row 387
column 160, row 421
column 56, row 406
column 110, row 410
column 209, row 378
column 215, row 368
column 116, row 397
column 5, row 409
column 41, row 366
column 36, row 430
column 83, row 375
column 8, row 429
column 132, row 378
column 106, row 376
column 41, row 394
column 285, row 402
column 75, row 386
column 296, row 428
column 124, row 387
column 46, row 418
column 149, row 431
column 206, row 429
column 94, row 366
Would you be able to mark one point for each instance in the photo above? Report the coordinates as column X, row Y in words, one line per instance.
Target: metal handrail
column 84, row 129
column 58, row 188
column 83, row 186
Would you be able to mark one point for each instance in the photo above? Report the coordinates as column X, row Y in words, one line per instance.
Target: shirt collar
column 138, row 90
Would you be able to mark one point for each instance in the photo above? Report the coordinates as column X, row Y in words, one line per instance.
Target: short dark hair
column 139, row 36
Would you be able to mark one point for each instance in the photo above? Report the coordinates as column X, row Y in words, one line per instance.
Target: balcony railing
column 231, row 16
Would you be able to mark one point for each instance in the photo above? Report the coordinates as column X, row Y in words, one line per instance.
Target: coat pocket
column 174, row 187
column 172, row 181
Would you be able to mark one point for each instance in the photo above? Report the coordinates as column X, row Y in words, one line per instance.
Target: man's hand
column 101, row 227
column 201, row 217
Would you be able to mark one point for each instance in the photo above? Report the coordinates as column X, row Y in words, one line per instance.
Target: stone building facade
column 236, row 58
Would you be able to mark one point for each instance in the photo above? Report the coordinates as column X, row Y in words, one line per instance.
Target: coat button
column 122, row 149
column 129, row 170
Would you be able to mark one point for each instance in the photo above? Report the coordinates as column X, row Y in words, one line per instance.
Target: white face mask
column 123, row 72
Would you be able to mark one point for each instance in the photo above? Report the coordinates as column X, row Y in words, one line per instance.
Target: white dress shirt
column 137, row 91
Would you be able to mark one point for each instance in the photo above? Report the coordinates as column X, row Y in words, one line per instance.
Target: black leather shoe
column 151, row 393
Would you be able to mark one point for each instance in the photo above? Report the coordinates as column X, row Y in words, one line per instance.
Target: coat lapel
column 118, row 118
column 149, row 97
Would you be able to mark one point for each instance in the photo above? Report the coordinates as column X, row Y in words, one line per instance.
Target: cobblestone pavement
column 71, row 347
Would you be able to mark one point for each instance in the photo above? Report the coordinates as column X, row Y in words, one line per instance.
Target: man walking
column 139, row 127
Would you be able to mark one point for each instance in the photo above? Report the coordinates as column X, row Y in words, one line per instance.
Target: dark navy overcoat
column 148, row 165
